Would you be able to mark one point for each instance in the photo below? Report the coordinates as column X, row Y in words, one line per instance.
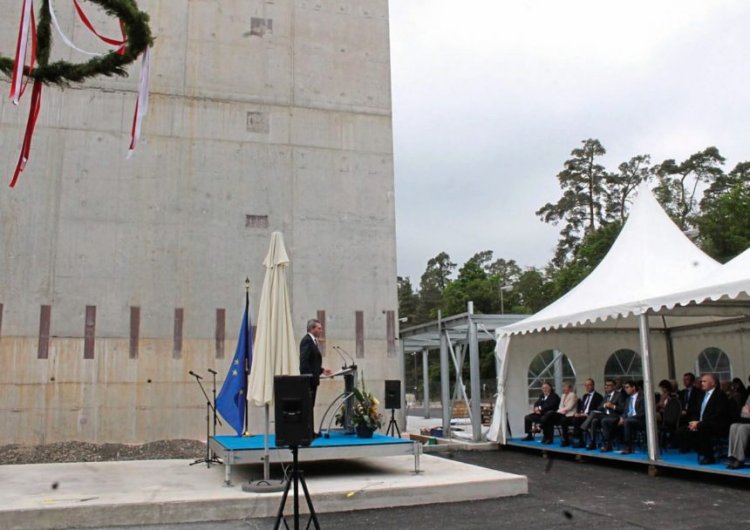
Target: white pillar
column 648, row 391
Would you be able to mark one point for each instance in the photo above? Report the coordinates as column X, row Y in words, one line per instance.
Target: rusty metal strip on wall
column 359, row 333
column 45, row 320
column 390, row 333
column 1, row 320
column 89, row 332
column 178, row 318
column 135, row 330
column 322, row 319
column 221, row 317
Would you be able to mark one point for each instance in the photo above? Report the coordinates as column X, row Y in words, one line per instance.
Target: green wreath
column 137, row 35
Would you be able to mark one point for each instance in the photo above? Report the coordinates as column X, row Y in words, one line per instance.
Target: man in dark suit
column 632, row 420
column 612, row 406
column 310, row 359
column 588, row 403
column 548, row 403
column 711, row 419
column 690, row 397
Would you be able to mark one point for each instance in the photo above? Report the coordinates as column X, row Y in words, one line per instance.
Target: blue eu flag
column 231, row 402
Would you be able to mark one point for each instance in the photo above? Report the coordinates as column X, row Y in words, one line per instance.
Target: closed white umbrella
column 275, row 351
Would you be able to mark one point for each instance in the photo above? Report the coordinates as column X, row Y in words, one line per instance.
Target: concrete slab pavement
column 90, row 495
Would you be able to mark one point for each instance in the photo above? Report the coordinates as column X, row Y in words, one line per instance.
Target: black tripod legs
column 298, row 478
column 393, row 429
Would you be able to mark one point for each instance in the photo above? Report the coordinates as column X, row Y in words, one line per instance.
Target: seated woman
column 567, row 408
column 666, row 394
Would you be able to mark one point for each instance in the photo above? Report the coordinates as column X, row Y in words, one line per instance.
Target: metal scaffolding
column 453, row 337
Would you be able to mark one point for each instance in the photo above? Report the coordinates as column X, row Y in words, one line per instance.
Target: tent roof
column 650, row 259
column 730, row 281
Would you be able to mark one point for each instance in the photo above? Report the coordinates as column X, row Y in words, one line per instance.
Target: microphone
column 212, row 371
column 195, row 375
column 342, row 350
column 342, row 357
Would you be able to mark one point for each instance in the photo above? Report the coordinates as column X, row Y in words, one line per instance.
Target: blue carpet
column 669, row 458
column 337, row 439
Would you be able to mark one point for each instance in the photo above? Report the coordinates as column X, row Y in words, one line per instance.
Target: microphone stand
column 208, row 460
column 216, row 416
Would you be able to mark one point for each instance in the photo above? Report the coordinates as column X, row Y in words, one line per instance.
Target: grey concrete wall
column 252, row 127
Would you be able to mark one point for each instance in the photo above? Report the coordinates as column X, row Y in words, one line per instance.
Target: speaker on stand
column 393, row 402
column 294, row 428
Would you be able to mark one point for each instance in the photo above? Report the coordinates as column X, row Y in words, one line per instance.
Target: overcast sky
column 490, row 97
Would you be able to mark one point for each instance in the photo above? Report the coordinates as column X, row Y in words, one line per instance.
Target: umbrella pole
column 266, row 463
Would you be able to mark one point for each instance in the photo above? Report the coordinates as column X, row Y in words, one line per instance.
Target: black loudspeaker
column 293, row 410
column 393, row 394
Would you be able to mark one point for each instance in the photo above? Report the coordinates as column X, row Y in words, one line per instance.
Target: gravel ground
column 90, row 452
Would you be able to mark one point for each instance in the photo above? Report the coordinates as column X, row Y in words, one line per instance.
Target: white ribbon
column 16, row 86
column 65, row 39
column 141, row 105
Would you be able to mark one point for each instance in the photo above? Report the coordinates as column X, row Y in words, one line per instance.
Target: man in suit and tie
column 547, row 404
column 690, row 398
column 612, row 406
column 632, row 420
column 712, row 419
column 588, row 403
column 310, row 359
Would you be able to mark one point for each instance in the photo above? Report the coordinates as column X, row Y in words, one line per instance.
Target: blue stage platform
column 669, row 459
column 238, row 450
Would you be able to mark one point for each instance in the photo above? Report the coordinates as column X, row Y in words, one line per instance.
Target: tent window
column 714, row 361
column 623, row 364
column 550, row 366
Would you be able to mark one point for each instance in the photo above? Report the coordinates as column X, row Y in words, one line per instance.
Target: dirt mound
column 91, row 452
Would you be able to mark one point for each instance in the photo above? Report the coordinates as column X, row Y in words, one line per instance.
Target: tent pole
column 476, row 396
column 445, row 391
column 426, row 381
column 648, row 391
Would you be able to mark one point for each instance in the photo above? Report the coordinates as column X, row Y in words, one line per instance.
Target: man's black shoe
column 707, row 461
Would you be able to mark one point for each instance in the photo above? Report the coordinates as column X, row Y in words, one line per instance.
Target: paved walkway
column 94, row 495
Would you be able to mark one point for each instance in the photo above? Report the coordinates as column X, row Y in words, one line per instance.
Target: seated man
column 612, row 406
column 568, row 404
column 739, row 438
column 690, row 398
column 587, row 404
column 632, row 420
column 547, row 403
column 712, row 420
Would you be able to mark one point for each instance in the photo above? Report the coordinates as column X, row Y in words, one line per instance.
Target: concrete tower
column 119, row 276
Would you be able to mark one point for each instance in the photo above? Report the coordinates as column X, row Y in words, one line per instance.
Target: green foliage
column 724, row 221
column 679, row 184
column 583, row 183
column 137, row 32
column 408, row 300
column 433, row 282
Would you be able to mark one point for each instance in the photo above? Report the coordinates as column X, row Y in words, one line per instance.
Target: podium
column 349, row 373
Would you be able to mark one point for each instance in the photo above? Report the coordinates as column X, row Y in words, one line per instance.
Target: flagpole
column 247, row 349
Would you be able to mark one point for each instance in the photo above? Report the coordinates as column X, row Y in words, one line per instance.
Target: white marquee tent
column 649, row 276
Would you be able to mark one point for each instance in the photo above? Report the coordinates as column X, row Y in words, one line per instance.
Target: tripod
column 297, row 477
column 393, row 426
column 210, row 457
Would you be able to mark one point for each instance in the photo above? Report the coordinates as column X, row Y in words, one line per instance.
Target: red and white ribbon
column 36, row 103
column 25, row 30
column 141, row 104
column 86, row 22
